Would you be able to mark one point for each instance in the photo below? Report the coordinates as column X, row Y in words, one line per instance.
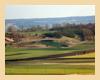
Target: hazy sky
column 45, row 11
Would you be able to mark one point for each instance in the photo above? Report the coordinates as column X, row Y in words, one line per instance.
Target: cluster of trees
column 12, row 32
column 80, row 31
column 53, row 35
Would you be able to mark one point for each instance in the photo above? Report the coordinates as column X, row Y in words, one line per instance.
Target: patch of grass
column 37, row 32
column 33, row 53
column 12, row 49
column 51, row 69
column 88, row 55
column 84, row 46
column 21, row 53
column 56, row 66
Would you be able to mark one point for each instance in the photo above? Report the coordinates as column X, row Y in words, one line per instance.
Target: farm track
column 56, row 56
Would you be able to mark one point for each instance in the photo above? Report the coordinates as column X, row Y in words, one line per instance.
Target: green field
column 78, row 64
column 37, row 32
column 90, row 55
column 50, row 69
column 27, row 53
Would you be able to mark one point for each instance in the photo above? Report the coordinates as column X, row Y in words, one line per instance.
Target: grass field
column 37, row 32
column 78, row 64
column 27, row 53
column 50, row 69
column 89, row 55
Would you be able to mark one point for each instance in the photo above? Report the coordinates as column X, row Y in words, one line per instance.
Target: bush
column 54, row 35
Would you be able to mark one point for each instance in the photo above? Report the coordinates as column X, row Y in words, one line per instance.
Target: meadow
column 25, row 61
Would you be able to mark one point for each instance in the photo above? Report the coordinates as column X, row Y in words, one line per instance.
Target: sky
column 47, row 11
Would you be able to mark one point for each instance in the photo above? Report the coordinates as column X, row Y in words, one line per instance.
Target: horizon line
column 50, row 17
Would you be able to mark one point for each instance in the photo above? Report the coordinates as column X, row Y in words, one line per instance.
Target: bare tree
column 12, row 29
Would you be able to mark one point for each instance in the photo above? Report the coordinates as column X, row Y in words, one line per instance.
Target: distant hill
column 50, row 21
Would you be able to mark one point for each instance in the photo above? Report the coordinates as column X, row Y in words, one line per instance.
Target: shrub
column 54, row 35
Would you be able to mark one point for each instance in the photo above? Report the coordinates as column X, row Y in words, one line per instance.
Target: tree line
column 79, row 31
